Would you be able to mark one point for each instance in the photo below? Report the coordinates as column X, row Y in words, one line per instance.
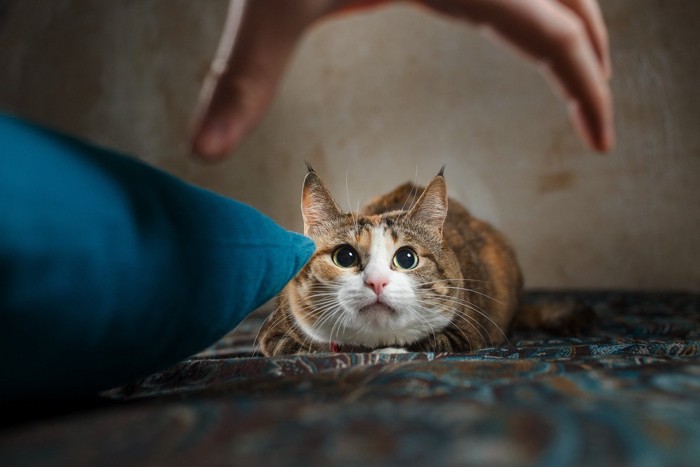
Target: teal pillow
column 111, row 269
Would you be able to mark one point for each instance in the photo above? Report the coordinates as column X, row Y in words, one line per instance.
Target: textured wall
column 380, row 98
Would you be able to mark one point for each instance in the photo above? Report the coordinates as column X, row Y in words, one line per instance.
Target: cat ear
column 317, row 205
column 431, row 208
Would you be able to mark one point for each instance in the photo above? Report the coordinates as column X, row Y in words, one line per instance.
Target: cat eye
column 405, row 258
column 345, row 256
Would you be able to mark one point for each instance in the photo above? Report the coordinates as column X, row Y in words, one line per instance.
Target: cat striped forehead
column 358, row 230
column 323, row 218
column 351, row 228
column 376, row 223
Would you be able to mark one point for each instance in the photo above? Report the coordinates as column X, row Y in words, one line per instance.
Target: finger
column 551, row 34
column 573, row 63
column 208, row 136
column 575, row 67
column 256, row 45
column 590, row 14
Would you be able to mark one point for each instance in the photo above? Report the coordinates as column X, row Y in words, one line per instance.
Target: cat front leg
column 446, row 341
column 279, row 335
column 275, row 346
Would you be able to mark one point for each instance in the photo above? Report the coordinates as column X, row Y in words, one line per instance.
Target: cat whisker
column 413, row 189
column 475, row 325
column 329, row 312
column 333, row 325
column 476, row 292
column 470, row 320
column 347, row 191
column 287, row 334
column 323, row 288
column 324, row 314
column 472, row 307
column 296, row 326
column 314, row 300
column 427, row 323
column 414, row 199
column 454, row 280
column 321, row 311
column 462, row 288
column 339, row 319
column 338, row 323
column 256, row 340
column 346, row 320
column 322, row 303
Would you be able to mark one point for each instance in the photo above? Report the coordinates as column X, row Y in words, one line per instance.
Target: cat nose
column 377, row 283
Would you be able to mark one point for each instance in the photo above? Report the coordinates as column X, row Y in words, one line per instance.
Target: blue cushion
column 111, row 269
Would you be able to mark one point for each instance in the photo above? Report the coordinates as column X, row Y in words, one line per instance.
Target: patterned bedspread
column 625, row 393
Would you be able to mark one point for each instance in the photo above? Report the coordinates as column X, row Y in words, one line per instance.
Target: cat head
column 375, row 280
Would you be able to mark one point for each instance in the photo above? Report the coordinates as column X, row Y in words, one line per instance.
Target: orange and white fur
column 396, row 277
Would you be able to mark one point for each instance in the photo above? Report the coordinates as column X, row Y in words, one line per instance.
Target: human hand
column 567, row 37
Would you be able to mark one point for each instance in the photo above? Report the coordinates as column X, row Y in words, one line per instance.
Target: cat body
column 400, row 275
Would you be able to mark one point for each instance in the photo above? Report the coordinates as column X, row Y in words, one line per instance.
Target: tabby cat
column 392, row 279
column 396, row 278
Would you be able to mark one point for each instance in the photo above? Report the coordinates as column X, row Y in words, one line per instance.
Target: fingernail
column 608, row 138
column 211, row 138
column 582, row 127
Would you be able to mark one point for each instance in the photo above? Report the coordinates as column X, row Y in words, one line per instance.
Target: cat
column 396, row 278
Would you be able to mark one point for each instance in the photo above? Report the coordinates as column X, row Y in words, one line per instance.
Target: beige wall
column 377, row 99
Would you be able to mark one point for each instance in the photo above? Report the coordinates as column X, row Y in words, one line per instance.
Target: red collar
column 335, row 347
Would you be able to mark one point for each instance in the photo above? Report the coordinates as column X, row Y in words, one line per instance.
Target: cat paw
column 390, row 350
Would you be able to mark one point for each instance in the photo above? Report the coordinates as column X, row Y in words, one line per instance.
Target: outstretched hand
column 567, row 37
